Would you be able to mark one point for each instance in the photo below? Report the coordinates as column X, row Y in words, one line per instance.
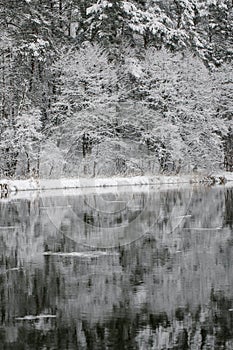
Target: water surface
column 130, row 268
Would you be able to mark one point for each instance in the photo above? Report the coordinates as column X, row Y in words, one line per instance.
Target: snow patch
column 65, row 183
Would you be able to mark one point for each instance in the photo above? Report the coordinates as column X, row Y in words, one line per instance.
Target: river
column 123, row 268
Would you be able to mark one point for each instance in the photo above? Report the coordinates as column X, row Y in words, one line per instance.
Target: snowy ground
column 64, row 183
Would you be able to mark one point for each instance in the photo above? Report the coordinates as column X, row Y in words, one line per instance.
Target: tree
column 223, row 80
column 180, row 92
column 215, row 30
column 20, row 143
column 86, row 94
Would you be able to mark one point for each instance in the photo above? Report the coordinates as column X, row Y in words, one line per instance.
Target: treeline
column 115, row 87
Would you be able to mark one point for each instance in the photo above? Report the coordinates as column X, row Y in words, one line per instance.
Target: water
column 127, row 268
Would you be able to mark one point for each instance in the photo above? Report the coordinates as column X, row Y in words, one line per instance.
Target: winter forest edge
column 103, row 88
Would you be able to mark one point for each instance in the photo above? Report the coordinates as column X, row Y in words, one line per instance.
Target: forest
column 111, row 87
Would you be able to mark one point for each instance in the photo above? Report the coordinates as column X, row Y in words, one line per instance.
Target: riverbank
column 34, row 184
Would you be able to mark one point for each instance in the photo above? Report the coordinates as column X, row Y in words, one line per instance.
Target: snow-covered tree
column 113, row 71
column 214, row 25
column 223, row 80
column 20, row 143
column 87, row 92
column 86, row 79
column 180, row 92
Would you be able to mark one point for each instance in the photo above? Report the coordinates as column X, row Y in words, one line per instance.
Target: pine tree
column 215, row 30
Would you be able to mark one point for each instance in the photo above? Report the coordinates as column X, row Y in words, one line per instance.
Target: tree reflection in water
column 170, row 289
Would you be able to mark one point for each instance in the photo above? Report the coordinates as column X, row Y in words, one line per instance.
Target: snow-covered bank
column 52, row 184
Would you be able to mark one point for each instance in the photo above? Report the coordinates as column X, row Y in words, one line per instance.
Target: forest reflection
column 165, row 283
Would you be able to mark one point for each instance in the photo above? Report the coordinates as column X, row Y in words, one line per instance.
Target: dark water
column 134, row 268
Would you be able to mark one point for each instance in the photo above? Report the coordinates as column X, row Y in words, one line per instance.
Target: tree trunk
column 60, row 13
column 28, row 163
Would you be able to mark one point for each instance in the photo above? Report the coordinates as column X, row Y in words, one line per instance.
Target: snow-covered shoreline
column 34, row 184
